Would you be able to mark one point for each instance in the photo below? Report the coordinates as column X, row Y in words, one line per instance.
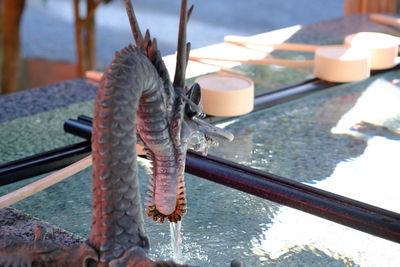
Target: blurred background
column 47, row 41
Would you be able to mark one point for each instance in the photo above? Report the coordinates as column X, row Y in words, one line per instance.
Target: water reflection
column 345, row 141
column 294, row 140
column 371, row 177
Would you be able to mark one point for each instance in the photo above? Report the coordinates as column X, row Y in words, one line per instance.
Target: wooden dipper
column 226, row 95
column 383, row 48
column 331, row 63
column 341, row 64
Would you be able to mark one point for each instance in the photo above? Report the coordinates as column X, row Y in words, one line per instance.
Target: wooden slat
column 52, row 179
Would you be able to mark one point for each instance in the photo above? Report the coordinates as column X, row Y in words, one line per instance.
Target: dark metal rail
column 48, row 161
column 284, row 94
column 349, row 212
column 346, row 211
column 52, row 160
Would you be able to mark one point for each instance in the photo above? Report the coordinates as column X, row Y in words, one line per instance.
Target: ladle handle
column 239, row 40
column 263, row 61
column 39, row 185
column 385, row 19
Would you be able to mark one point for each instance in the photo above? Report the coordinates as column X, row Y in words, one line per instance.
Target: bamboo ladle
column 331, row 63
column 243, row 41
column 351, row 62
column 383, row 48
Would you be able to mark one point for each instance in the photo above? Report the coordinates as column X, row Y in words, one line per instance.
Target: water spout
column 176, row 241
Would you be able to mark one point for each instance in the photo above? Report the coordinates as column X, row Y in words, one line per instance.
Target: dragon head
column 197, row 134
column 166, row 197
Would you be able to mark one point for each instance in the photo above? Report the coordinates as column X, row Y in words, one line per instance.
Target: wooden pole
column 244, row 41
column 12, row 13
column 78, row 40
column 369, row 6
column 264, row 61
column 52, row 179
column 385, row 19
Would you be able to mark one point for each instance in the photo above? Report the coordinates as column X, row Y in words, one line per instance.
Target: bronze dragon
column 136, row 102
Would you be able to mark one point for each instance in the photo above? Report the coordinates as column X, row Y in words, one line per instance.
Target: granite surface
column 36, row 100
column 15, row 224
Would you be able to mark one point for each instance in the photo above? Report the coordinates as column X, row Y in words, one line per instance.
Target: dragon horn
column 193, row 105
column 180, row 70
column 188, row 45
column 137, row 34
column 189, row 13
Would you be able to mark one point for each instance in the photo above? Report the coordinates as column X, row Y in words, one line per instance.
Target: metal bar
column 283, row 94
column 18, row 170
column 292, row 92
column 346, row 211
column 289, row 93
column 82, row 127
column 71, row 125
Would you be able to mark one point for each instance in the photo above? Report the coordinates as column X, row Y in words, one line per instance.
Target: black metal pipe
column 282, row 95
column 41, row 163
column 346, row 211
column 86, row 119
column 85, row 127
column 349, row 212
column 290, row 93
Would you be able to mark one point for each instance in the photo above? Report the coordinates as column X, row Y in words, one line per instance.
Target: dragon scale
column 122, row 93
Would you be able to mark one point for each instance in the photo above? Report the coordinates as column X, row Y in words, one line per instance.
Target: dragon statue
column 136, row 102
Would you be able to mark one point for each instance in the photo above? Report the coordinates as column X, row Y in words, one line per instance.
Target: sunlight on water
column 372, row 177
column 357, row 178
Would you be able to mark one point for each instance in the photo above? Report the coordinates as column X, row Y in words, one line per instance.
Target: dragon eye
column 196, row 139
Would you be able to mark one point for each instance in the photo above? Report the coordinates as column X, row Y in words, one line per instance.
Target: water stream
column 176, row 241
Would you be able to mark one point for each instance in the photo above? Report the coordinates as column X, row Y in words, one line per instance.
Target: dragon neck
column 130, row 86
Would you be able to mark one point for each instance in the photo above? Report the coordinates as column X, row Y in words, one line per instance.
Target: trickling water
column 176, row 241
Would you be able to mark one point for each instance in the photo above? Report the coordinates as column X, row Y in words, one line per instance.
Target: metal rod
column 18, row 170
column 70, row 125
column 284, row 94
column 289, row 93
column 346, row 211
column 37, row 164
column 292, row 92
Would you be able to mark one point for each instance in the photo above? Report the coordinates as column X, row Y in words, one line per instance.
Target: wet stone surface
column 17, row 225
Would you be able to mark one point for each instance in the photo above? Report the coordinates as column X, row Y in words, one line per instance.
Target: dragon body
column 136, row 102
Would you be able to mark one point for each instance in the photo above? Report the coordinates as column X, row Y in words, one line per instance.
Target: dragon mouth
column 180, row 204
column 180, row 210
